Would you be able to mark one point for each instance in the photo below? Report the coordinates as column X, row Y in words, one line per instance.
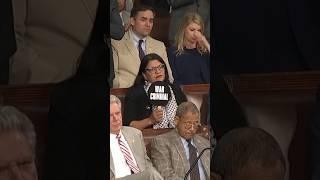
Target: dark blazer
column 8, row 41
column 267, row 36
column 137, row 105
column 77, row 129
column 116, row 32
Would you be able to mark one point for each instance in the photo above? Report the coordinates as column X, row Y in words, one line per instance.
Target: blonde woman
column 189, row 57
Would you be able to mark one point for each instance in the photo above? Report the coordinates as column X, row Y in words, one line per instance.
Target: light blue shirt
column 186, row 150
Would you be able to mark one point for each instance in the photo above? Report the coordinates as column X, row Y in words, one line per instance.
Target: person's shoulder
column 122, row 40
column 172, row 49
column 167, row 137
column 201, row 139
column 135, row 89
column 154, row 41
column 131, row 130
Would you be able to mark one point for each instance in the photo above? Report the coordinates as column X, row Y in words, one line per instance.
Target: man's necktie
column 194, row 175
column 126, row 153
column 141, row 52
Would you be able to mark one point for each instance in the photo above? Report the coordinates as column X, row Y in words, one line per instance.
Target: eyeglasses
column 188, row 125
column 154, row 69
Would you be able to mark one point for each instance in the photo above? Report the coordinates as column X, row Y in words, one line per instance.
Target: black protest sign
column 159, row 93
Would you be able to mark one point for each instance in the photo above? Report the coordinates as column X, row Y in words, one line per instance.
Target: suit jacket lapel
column 180, row 149
column 130, row 45
column 149, row 46
column 132, row 145
column 205, row 159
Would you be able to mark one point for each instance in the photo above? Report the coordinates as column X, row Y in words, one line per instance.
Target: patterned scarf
column 169, row 112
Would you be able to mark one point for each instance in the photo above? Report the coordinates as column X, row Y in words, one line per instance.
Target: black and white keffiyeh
column 168, row 113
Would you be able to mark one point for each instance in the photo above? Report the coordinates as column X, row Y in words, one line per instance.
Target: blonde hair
column 179, row 38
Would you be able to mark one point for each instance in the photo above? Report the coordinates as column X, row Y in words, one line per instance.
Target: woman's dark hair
column 141, row 7
column 144, row 62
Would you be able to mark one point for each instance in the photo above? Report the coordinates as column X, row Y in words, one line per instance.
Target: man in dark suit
column 8, row 42
column 77, row 146
column 267, row 36
column 116, row 32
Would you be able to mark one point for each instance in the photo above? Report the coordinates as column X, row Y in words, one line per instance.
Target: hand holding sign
column 157, row 114
column 159, row 95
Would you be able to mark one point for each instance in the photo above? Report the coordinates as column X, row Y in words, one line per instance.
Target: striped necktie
column 126, row 153
column 194, row 175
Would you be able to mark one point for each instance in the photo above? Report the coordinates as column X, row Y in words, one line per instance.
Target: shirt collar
column 115, row 135
column 136, row 39
column 185, row 142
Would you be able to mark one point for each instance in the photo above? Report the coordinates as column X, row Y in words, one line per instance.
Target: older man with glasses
column 173, row 153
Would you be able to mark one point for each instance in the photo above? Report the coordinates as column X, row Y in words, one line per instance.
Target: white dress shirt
column 200, row 166
column 120, row 166
column 136, row 39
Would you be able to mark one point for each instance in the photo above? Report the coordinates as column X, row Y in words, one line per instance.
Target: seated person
column 248, row 154
column 189, row 58
column 136, row 42
column 125, row 7
column 174, row 152
column 138, row 111
column 17, row 145
column 179, row 8
column 128, row 157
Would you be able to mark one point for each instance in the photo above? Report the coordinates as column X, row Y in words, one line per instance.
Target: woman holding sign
column 152, row 101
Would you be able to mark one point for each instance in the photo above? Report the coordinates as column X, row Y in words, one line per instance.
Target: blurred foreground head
column 17, row 145
column 248, row 154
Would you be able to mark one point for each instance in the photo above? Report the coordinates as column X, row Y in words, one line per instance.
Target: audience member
column 125, row 7
column 128, row 156
column 17, row 145
column 8, row 41
column 138, row 111
column 174, row 152
column 248, row 154
column 189, row 58
column 178, row 8
column 116, row 32
column 51, row 37
column 128, row 52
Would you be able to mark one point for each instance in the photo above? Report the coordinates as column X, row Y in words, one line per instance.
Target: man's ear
column 176, row 120
column 216, row 176
column 132, row 21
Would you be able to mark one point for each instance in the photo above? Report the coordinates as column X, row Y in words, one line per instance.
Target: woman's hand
column 201, row 39
column 156, row 115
